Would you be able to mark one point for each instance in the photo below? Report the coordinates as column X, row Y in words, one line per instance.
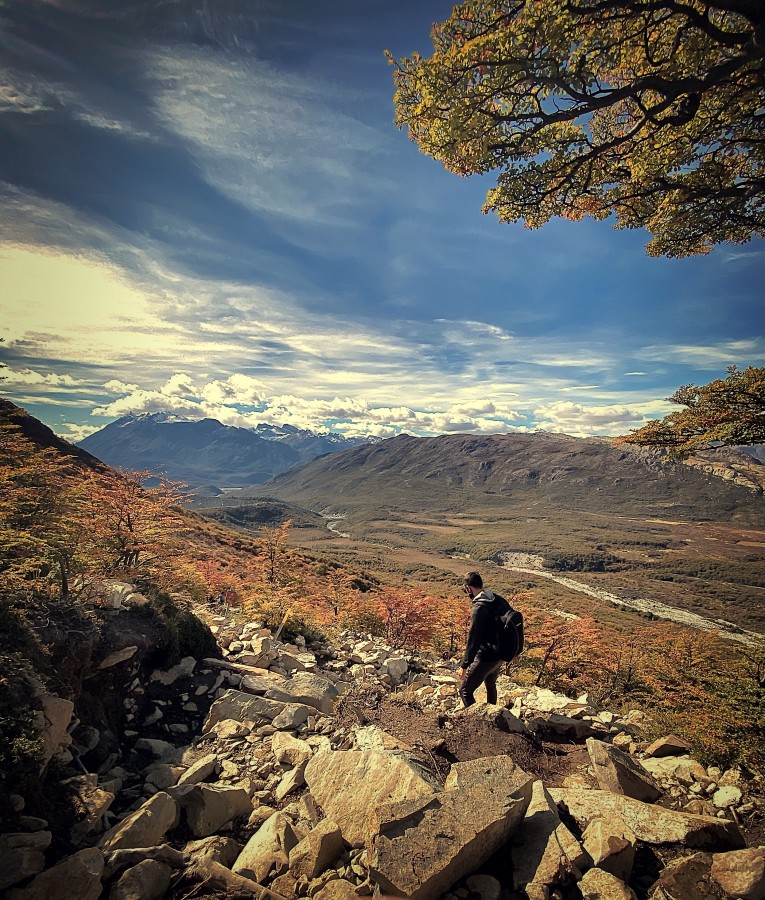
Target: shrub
column 187, row 635
column 21, row 745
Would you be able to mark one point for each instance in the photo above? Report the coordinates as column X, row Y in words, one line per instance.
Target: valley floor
column 706, row 576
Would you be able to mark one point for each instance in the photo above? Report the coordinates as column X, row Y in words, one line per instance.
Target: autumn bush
column 708, row 691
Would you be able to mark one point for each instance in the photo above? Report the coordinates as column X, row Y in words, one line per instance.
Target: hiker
column 481, row 662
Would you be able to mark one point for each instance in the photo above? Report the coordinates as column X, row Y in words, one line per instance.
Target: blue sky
column 207, row 209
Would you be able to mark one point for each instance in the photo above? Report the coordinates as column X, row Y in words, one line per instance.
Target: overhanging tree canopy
column 729, row 411
column 654, row 111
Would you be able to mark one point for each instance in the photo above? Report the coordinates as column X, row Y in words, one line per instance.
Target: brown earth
column 440, row 740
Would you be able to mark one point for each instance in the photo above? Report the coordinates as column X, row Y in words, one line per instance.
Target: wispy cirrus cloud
column 709, row 356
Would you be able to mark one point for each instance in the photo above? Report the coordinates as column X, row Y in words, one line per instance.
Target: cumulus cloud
column 115, row 386
column 140, row 401
column 245, row 402
column 74, row 432
column 178, row 386
column 236, row 389
column 576, row 419
column 30, row 377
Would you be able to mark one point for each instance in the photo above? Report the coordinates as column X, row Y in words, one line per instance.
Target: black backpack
column 509, row 630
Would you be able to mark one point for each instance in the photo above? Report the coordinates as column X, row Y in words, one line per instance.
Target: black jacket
column 482, row 636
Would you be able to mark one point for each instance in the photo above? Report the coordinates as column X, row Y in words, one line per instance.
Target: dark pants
column 478, row 673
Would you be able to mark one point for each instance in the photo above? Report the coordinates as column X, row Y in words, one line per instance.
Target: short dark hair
column 473, row 579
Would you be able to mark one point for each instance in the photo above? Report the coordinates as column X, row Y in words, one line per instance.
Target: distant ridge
column 205, row 452
column 42, row 436
column 496, row 470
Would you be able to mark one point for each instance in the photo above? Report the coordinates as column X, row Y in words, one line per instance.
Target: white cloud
column 245, row 402
column 139, row 401
column 236, row 389
column 300, row 162
column 11, row 376
column 75, row 432
column 464, row 328
column 178, row 386
column 576, row 419
column 706, row 356
column 115, row 386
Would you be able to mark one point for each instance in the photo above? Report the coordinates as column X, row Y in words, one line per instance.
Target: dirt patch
column 440, row 740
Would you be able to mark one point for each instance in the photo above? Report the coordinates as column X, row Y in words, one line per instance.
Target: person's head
column 473, row 583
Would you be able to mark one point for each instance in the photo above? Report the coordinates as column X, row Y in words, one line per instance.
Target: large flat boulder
column 21, row 855
column 306, row 688
column 741, row 873
column 148, row 880
column 423, row 846
column 350, row 784
column 651, row 824
column 242, row 707
column 52, row 721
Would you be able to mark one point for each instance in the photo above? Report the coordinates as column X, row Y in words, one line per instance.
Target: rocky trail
column 279, row 770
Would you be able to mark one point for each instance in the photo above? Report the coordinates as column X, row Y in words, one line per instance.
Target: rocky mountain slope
column 43, row 437
column 276, row 770
column 206, row 452
column 586, row 473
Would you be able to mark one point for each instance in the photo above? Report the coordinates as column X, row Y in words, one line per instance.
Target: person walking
column 480, row 663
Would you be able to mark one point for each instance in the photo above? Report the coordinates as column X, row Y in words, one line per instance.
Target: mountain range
column 205, row 452
column 526, row 470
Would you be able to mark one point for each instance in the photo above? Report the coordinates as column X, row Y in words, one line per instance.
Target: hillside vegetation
column 497, row 472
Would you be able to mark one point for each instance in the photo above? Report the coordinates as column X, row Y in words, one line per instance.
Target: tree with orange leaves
column 409, row 617
column 132, row 520
column 562, row 649
column 42, row 526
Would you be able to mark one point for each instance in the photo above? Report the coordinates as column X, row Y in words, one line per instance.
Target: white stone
column 599, row 885
column 200, row 770
column 117, row 657
column 741, row 873
column 727, row 796
column 184, row 668
column 397, row 667
column 52, row 722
